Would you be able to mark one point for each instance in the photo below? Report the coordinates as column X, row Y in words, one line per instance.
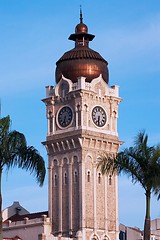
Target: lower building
column 134, row 233
column 155, row 229
column 19, row 224
column 130, row 233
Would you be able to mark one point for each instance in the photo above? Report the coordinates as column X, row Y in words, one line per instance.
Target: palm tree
column 140, row 162
column 15, row 152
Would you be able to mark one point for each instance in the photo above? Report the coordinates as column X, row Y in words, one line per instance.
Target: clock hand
column 64, row 120
column 98, row 119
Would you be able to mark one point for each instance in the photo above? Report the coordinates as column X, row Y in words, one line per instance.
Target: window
column 55, row 180
column 105, row 238
column 76, row 176
column 110, row 180
column 94, row 237
column 65, row 179
column 99, row 178
column 50, row 121
column 88, row 176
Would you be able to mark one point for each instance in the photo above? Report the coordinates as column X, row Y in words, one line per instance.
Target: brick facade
column 82, row 202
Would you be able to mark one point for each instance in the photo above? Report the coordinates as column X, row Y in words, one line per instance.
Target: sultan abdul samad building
column 82, row 113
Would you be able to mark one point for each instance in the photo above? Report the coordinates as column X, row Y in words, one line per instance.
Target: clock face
column 99, row 116
column 65, row 116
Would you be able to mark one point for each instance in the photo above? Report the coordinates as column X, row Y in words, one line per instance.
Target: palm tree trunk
column 147, row 224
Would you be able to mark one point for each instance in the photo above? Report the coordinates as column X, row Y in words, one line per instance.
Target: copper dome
column 81, row 28
column 81, row 60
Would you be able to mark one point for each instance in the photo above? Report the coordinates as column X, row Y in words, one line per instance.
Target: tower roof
column 81, row 30
column 81, row 60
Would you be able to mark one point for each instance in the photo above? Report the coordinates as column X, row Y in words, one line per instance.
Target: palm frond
column 107, row 165
column 4, row 127
column 15, row 152
column 31, row 160
column 141, row 163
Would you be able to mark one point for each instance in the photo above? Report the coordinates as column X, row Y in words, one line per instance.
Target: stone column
column 81, row 109
column 116, row 193
column 50, row 186
column 76, row 117
column 48, row 120
column 105, row 202
column 86, row 112
column 82, row 199
column 53, row 122
column 60, row 198
column 95, row 196
column 70, row 197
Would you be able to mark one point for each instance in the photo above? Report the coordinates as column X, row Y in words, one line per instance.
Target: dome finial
column 81, row 18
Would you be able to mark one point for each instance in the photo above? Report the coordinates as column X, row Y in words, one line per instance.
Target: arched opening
column 88, row 176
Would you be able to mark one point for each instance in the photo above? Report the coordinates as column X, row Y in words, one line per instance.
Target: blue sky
column 34, row 35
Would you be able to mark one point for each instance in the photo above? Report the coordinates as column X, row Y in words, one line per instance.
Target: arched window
column 88, row 176
column 94, row 237
column 75, row 176
column 55, row 180
column 110, row 180
column 105, row 237
column 65, row 179
column 99, row 178
column 63, row 89
column 50, row 117
column 55, row 162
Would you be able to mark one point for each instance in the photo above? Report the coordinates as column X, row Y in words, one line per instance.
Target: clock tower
column 82, row 113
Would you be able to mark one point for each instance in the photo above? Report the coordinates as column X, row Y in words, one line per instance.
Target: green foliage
column 15, row 152
column 142, row 164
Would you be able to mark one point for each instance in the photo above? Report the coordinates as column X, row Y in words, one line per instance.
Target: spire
column 81, row 35
column 81, row 18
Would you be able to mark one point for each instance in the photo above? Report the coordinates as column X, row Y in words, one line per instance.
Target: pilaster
column 82, row 199
column 70, row 197
column 60, row 199
column 50, row 185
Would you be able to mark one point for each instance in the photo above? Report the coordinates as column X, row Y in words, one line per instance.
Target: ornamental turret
column 81, row 61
